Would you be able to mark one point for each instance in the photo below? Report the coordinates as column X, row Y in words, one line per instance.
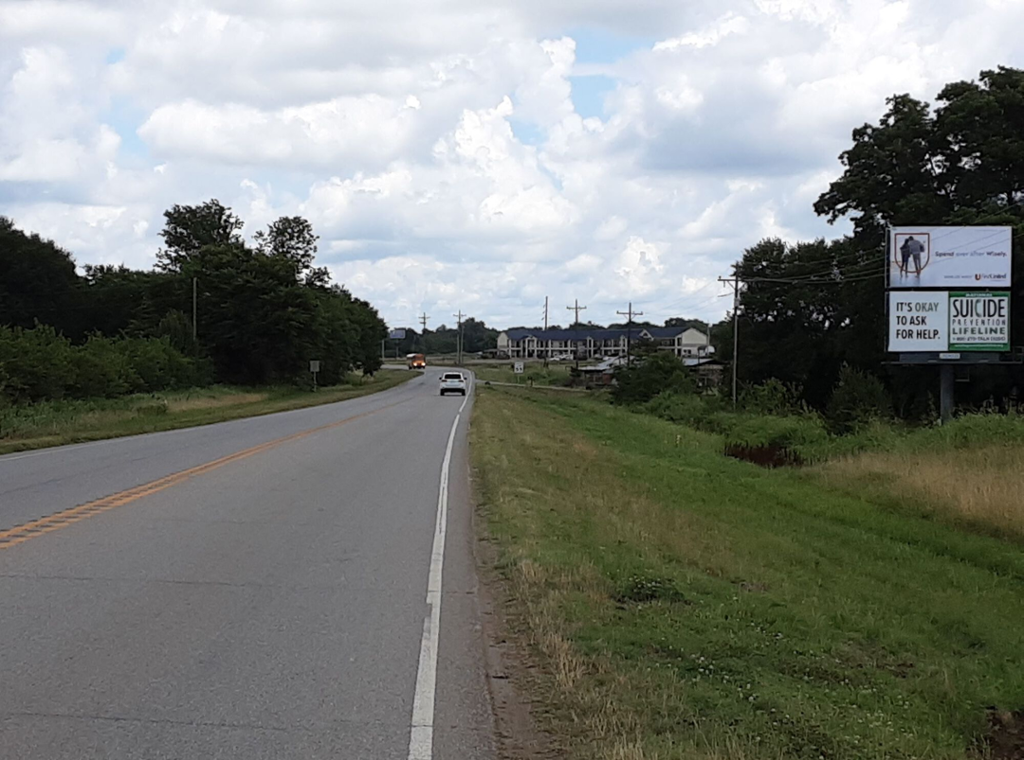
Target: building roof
column 596, row 334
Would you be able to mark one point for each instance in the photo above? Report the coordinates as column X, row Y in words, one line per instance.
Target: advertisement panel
column 945, row 321
column 950, row 257
column 398, row 334
column 979, row 321
column 918, row 321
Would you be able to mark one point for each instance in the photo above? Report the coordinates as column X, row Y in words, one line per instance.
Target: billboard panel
column 918, row 321
column 396, row 335
column 979, row 321
column 950, row 257
column 944, row 321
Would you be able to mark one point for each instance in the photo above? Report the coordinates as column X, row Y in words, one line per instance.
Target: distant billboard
column 941, row 321
column 396, row 335
column 950, row 257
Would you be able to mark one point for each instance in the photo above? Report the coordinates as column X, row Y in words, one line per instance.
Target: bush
column 858, row 399
column 803, row 435
column 772, row 397
column 651, row 376
column 39, row 365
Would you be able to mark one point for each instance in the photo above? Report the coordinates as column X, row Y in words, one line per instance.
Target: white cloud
column 447, row 153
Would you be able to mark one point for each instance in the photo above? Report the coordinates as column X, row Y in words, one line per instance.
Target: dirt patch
column 1005, row 740
column 510, row 673
column 764, row 456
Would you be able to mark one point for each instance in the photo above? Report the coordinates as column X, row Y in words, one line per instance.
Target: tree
column 188, row 229
column 292, row 239
column 38, row 281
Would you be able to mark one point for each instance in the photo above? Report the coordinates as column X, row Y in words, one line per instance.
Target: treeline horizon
column 264, row 309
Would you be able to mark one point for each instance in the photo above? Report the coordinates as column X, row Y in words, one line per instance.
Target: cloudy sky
column 468, row 154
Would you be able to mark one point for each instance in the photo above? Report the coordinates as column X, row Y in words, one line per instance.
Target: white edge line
column 421, row 738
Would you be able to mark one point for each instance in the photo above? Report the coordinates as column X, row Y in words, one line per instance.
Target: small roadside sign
column 314, row 367
column 518, row 368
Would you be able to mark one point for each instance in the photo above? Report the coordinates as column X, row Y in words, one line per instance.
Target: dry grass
column 214, row 402
column 982, row 486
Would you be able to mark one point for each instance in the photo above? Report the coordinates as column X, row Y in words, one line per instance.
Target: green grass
column 56, row 423
column 686, row 605
column 535, row 372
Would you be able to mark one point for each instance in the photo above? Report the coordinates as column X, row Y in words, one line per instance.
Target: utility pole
column 547, row 349
column 195, row 305
column 458, row 338
column 576, row 328
column 735, row 282
column 629, row 329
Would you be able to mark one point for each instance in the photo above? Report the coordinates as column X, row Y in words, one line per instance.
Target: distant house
column 524, row 343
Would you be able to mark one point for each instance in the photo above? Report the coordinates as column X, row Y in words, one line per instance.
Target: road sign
column 314, row 366
column 396, row 335
column 518, row 368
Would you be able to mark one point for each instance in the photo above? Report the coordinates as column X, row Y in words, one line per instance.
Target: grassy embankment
column 535, row 372
column 55, row 423
column 686, row 605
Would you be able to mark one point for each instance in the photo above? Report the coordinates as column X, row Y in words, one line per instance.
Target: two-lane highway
column 299, row 585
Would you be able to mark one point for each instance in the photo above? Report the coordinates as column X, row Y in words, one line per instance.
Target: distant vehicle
column 417, row 361
column 453, row 382
column 562, row 358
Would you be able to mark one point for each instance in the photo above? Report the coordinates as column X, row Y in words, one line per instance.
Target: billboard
column 950, row 257
column 918, row 321
column 396, row 335
column 941, row 321
column 979, row 321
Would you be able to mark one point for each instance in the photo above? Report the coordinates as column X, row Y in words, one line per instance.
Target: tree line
column 263, row 310
column 810, row 309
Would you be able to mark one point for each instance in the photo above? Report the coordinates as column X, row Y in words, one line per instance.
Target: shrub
column 858, row 399
column 800, row 434
column 38, row 363
column 772, row 397
column 650, row 376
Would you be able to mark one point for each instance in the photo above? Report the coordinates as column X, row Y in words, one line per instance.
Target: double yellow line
column 21, row 533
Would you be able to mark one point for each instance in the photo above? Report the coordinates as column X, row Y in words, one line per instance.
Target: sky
column 468, row 155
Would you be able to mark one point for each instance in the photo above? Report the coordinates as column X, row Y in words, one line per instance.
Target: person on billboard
column 905, row 257
column 915, row 248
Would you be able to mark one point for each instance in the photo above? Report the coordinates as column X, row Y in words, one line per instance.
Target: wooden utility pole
column 629, row 329
column 195, row 305
column 576, row 328
column 735, row 282
column 458, row 338
column 547, row 349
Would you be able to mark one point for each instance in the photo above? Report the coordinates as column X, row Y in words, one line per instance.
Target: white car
column 453, row 382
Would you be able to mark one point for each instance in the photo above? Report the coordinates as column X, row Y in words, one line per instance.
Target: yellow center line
column 26, row 531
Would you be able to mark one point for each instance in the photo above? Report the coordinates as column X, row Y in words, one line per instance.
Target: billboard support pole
column 946, row 393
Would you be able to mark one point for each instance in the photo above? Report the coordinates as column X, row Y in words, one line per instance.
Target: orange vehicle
column 417, row 361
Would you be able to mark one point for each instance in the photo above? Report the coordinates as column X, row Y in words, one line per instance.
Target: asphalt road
column 252, row 589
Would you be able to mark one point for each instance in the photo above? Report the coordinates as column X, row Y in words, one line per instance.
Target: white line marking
column 421, row 739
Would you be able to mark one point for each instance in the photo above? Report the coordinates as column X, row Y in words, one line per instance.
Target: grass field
column 681, row 604
column 553, row 374
column 61, row 422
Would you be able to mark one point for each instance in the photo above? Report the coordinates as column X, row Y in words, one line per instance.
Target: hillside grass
column 681, row 604
column 56, row 423
column 556, row 373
